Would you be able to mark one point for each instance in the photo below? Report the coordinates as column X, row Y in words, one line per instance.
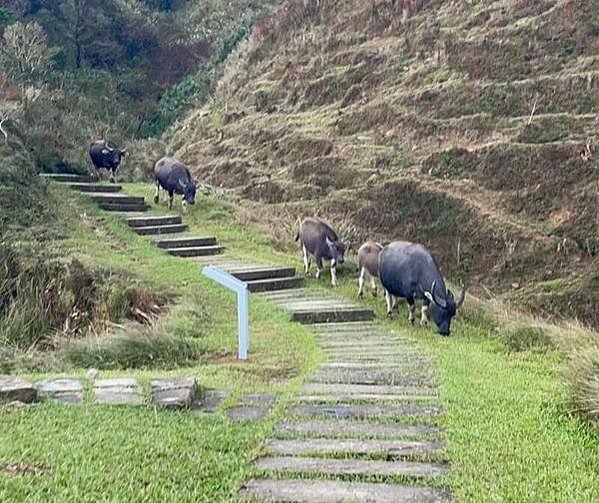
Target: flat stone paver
column 329, row 491
column 364, row 411
column 63, row 390
column 378, row 389
column 247, row 414
column 306, row 446
column 123, row 391
column 210, row 401
column 371, row 377
column 362, row 397
column 15, row 389
column 264, row 399
column 359, row 429
column 288, row 464
column 173, row 393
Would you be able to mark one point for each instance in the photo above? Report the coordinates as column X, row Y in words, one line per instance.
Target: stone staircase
column 364, row 427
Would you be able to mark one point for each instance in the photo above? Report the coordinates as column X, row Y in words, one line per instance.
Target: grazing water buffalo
column 174, row 177
column 318, row 239
column 106, row 155
column 409, row 271
column 368, row 265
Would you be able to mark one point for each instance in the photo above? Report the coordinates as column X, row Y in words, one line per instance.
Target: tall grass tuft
column 582, row 376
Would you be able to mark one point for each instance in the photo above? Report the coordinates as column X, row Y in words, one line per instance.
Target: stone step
column 363, row 411
column 95, row 187
column 261, row 273
column 387, row 448
column 339, row 428
column 187, row 242
column 173, row 393
column 15, row 389
column 196, row 251
column 153, row 221
column 100, row 197
column 373, row 389
column 62, row 390
column 123, row 207
column 68, row 178
column 372, row 377
column 331, row 314
column 363, row 467
column 329, row 491
column 395, row 366
column 358, row 325
column 271, row 284
column 160, row 229
column 362, row 398
column 122, row 391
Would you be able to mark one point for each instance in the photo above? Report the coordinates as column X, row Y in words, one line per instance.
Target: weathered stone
column 246, row 414
column 122, row 391
column 266, row 399
column 16, row 389
column 381, row 389
column 173, row 393
column 329, row 491
column 210, row 401
column 362, row 397
column 372, row 377
column 364, row 411
column 340, row 428
column 288, row 464
column 293, row 447
column 68, row 391
column 397, row 366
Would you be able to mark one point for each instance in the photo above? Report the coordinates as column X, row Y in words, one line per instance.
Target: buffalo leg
column 157, row 194
column 318, row 267
column 184, row 205
column 306, row 260
column 411, row 309
column 333, row 272
column 390, row 304
column 424, row 315
column 373, row 285
column 112, row 176
column 361, row 282
column 171, row 195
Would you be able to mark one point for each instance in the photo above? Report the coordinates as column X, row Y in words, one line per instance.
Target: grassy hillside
column 470, row 127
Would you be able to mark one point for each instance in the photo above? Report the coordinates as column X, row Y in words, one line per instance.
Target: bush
column 582, row 376
column 526, row 338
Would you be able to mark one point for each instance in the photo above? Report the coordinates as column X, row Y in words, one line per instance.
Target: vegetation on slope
column 467, row 127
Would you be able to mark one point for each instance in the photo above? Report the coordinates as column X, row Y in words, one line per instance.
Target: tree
column 25, row 52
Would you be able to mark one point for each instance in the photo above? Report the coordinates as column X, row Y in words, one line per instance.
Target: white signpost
column 243, row 302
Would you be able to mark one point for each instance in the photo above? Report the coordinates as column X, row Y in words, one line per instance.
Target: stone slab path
column 369, row 412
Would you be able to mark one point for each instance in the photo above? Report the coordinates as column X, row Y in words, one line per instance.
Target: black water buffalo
column 106, row 155
column 318, row 239
column 409, row 271
column 174, row 177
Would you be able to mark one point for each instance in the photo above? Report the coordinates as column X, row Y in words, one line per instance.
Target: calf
column 106, row 155
column 174, row 177
column 318, row 239
column 409, row 271
column 368, row 265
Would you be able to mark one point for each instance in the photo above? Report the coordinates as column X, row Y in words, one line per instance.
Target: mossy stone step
column 95, row 187
column 375, row 389
column 329, row 314
column 196, row 251
column 335, row 428
column 123, row 207
column 160, row 229
column 271, row 284
column 68, row 178
column 186, row 242
column 100, row 197
column 363, row 467
column 358, row 411
column 388, row 448
column 260, row 273
column 330, row 491
column 152, row 221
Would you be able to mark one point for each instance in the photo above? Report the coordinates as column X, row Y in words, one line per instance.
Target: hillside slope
column 468, row 126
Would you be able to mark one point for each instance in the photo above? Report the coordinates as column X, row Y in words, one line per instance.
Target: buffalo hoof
column 360, row 295
column 389, row 315
column 412, row 322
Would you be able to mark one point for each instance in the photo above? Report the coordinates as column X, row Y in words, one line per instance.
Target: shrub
column 582, row 376
column 526, row 338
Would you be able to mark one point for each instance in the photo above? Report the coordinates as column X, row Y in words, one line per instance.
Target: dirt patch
column 21, row 468
column 327, row 173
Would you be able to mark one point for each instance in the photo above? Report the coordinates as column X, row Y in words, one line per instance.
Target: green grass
column 508, row 434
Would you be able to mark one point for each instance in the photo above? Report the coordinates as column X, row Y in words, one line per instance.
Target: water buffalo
column 174, row 177
column 318, row 239
column 409, row 271
column 106, row 155
column 368, row 265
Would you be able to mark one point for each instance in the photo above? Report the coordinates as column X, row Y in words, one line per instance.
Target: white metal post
column 243, row 302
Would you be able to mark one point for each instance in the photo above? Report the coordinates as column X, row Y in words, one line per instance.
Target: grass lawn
column 508, row 437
